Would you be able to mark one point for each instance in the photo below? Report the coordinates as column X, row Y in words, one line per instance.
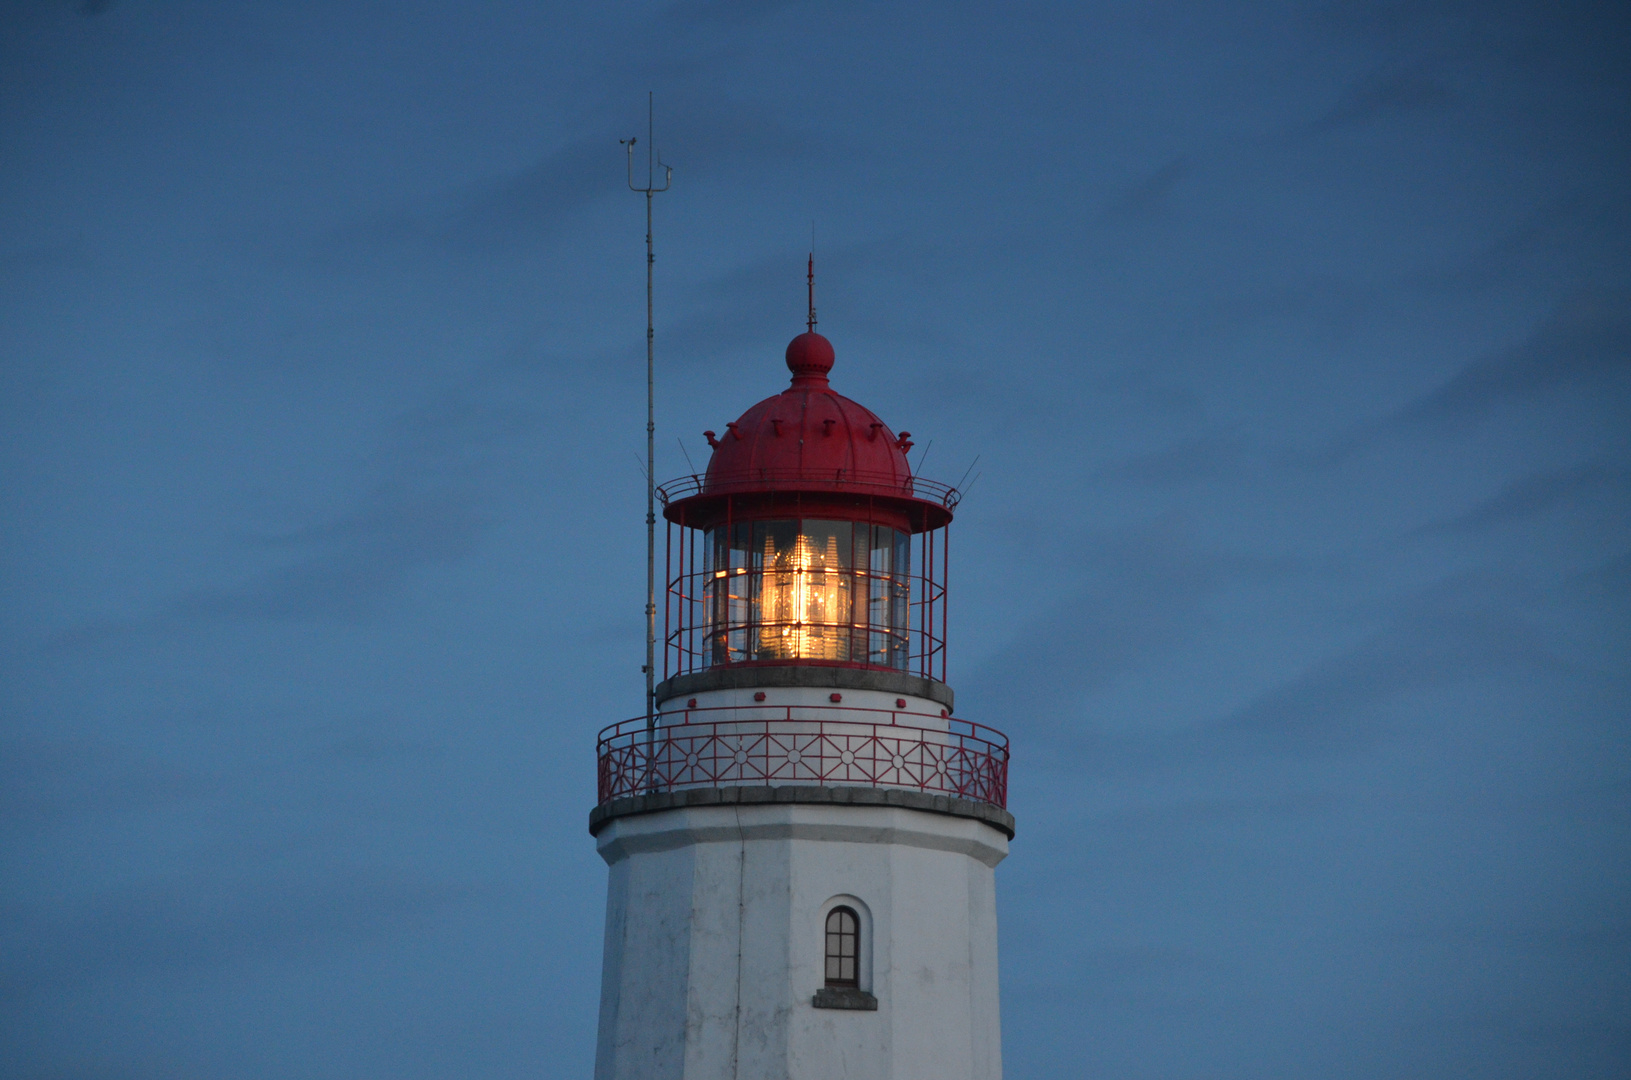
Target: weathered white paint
column 714, row 946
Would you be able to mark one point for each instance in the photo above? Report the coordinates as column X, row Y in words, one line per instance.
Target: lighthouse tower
column 802, row 840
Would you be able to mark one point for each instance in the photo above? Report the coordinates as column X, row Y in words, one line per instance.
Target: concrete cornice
column 749, row 677
column 994, row 816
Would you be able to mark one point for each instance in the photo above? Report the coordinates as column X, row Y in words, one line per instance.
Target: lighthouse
column 802, row 837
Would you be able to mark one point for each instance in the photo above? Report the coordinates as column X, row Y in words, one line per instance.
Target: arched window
column 843, row 948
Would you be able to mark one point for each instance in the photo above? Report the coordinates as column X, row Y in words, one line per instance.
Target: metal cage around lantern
column 851, row 583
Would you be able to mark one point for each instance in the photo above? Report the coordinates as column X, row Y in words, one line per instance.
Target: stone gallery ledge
column 994, row 816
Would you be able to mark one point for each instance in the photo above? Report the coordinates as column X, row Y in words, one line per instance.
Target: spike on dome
column 809, row 358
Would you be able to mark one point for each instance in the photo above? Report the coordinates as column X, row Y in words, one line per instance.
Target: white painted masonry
column 714, row 944
column 918, row 711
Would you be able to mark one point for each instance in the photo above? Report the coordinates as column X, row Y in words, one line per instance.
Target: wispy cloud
column 1566, row 241
column 430, row 507
column 45, row 782
column 208, row 920
column 1584, row 346
column 1145, row 596
column 441, row 472
column 1453, row 633
column 1613, row 577
column 1587, row 339
column 1531, row 496
column 760, row 302
column 343, row 567
column 715, row 14
column 1458, row 632
column 1207, row 457
column 1151, row 196
column 516, row 211
column 529, row 208
column 1383, row 97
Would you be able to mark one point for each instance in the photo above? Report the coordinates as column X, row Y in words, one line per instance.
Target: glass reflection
column 808, row 589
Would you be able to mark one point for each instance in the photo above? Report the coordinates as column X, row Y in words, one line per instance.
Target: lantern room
column 807, row 541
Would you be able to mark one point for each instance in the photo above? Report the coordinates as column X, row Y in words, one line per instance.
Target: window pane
column 842, row 948
column 818, row 589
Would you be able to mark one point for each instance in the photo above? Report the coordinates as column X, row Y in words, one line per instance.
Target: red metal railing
column 861, row 482
column 822, row 745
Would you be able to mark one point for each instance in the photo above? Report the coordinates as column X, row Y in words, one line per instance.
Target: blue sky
column 1294, row 342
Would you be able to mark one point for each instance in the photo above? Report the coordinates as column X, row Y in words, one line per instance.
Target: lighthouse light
column 808, row 589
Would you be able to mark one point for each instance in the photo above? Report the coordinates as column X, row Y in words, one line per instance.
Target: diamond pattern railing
column 820, row 745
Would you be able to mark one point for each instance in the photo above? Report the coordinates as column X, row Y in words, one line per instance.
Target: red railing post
column 945, row 598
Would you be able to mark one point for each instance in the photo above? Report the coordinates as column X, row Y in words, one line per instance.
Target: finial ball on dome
column 809, row 356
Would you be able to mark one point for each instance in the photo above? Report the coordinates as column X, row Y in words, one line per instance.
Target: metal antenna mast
column 650, row 669
column 812, row 321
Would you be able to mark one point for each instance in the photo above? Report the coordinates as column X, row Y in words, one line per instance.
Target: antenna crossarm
column 649, row 189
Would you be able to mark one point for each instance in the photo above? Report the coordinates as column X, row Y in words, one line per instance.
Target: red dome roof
column 809, row 430
column 811, row 439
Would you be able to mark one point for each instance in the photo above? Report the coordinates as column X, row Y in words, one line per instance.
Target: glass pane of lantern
column 900, row 615
column 805, row 591
column 818, row 589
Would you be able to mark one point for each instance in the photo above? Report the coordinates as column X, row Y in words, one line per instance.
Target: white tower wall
column 715, row 941
column 877, row 704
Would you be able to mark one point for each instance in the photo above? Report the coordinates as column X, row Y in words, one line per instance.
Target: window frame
column 840, row 912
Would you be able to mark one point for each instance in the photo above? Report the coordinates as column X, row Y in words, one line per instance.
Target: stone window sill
column 833, row 997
